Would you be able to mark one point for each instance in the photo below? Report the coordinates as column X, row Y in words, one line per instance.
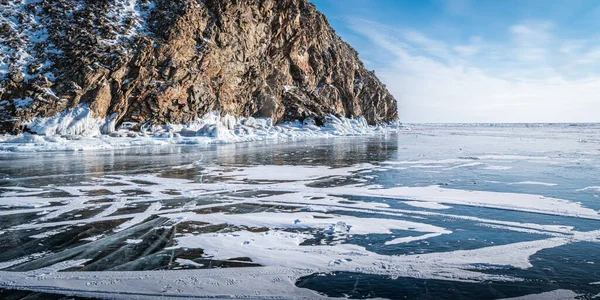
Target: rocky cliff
column 172, row 61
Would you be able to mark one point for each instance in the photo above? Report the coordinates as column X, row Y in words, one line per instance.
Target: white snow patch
column 311, row 220
column 409, row 239
column 535, row 183
column 424, row 204
column 75, row 122
column 290, row 172
column 508, row 201
column 264, row 282
column 552, row 295
column 133, row 241
column 187, row 262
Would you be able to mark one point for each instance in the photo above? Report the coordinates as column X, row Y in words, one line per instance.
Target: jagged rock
column 16, row 76
column 172, row 61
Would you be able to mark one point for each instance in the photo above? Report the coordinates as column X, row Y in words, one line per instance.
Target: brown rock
column 264, row 58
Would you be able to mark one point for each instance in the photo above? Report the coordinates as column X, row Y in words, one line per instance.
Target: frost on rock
column 76, row 122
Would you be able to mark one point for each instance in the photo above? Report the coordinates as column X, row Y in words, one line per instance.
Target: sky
column 479, row 60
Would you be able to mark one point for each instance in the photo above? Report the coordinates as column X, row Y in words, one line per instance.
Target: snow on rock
column 19, row 51
column 79, row 129
column 75, row 122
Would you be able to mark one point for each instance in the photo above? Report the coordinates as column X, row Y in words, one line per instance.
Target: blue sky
column 479, row 61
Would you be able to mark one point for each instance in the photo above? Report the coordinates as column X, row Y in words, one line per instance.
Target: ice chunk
column 341, row 227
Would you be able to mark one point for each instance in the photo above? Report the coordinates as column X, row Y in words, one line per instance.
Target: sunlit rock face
column 157, row 61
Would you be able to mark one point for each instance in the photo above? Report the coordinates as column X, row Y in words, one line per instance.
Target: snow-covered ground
column 307, row 219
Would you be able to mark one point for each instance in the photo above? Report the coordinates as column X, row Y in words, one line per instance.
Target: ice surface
column 296, row 218
column 497, row 168
column 290, row 173
column 264, row 282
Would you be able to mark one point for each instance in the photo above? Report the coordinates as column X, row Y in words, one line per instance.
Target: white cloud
column 522, row 80
column 456, row 7
column 467, row 50
column 531, row 40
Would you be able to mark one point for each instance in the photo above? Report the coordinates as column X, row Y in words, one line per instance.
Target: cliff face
column 172, row 61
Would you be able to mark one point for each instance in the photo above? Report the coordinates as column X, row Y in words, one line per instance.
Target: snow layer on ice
column 312, row 220
column 290, row 172
column 285, row 242
column 552, row 295
column 509, row 201
column 424, row 204
column 535, row 183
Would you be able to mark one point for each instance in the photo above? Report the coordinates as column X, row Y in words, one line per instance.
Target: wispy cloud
column 531, row 41
column 532, row 76
column 456, row 7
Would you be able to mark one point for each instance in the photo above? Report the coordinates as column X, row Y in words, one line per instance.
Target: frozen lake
column 435, row 212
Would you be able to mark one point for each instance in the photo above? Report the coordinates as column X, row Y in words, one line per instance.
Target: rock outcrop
column 172, row 61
